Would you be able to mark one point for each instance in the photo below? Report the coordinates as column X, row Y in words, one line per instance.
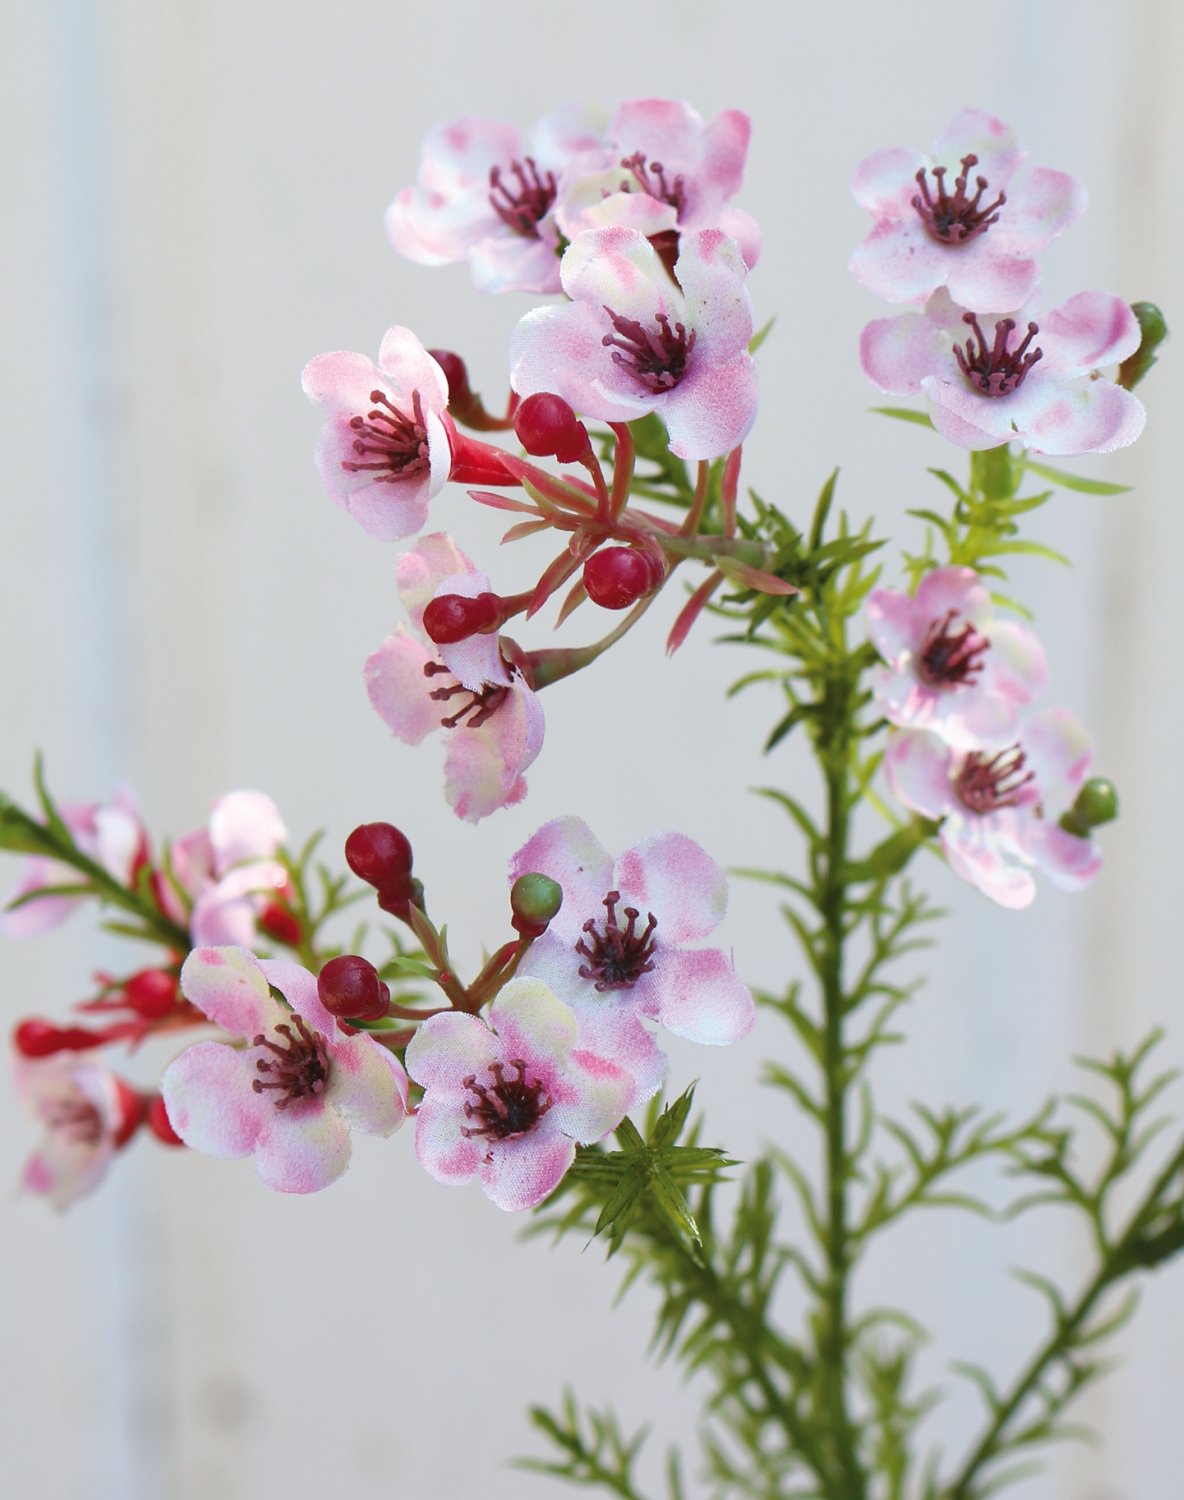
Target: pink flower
column 228, row 870
column 954, row 219
column 111, row 834
column 617, row 950
column 508, row 1102
column 1037, row 383
column 953, row 668
column 486, row 194
column 384, row 452
column 493, row 718
column 631, row 341
column 999, row 809
column 291, row 1095
column 663, row 172
column 87, row 1112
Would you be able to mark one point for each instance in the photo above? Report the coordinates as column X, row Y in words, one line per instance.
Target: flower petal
column 448, row 1048
column 209, row 1100
column 228, row 985
column 441, row 1148
column 399, row 690
column 568, row 851
column 531, row 1022
column 917, row 766
column 703, row 998
column 675, row 878
column 302, row 1149
column 520, row 1172
column 367, row 1085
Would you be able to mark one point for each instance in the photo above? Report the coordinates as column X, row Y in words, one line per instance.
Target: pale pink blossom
column 87, row 1113
column 619, row 953
column 111, row 834
column 1000, row 809
column 227, row 872
column 486, row 194
column 508, row 1102
column 958, row 219
column 953, row 666
column 631, row 341
column 385, row 451
column 492, row 717
column 290, row 1096
column 664, row 172
column 1032, row 377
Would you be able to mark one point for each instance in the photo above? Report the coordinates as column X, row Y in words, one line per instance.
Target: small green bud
column 534, row 900
column 1097, row 803
column 1154, row 330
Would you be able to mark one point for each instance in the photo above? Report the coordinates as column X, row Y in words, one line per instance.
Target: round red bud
column 34, row 1038
column 547, row 426
column 131, row 1107
column 452, row 617
column 349, row 988
column 152, row 993
column 460, row 392
column 158, row 1122
column 379, row 854
column 280, row 924
column 616, row 577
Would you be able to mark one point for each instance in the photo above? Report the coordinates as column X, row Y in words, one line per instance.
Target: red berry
column 34, row 1038
column 379, row 854
column 546, row 425
column 616, row 577
column 349, row 987
column 131, row 1112
column 152, row 993
column 159, row 1124
column 452, row 617
column 460, row 392
column 279, row 922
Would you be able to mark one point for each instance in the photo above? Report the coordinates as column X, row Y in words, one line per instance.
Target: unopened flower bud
column 379, row 854
column 534, row 901
column 616, row 577
column 452, row 617
column 1097, row 803
column 158, row 1122
column 152, row 993
column 456, row 373
column 349, row 988
column 36, row 1038
column 131, row 1109
column 546, row 426
column 280, row 923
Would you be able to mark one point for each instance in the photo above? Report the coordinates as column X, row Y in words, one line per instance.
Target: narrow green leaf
column 904, row 414
column 1076, row 482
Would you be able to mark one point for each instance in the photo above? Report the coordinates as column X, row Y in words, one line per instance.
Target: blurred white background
column 195, row 199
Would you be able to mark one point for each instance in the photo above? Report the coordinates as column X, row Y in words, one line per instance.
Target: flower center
column 651, row 179
column 949, row 657
column 78, row 1119
column 985, row 785
column 508, row 1106
column 996, row 371
column 956, row 219
column 480, row 706
column 389, row 439
column 617, row 956
column 656, row 357
column 298, row 1067
column 521, row 204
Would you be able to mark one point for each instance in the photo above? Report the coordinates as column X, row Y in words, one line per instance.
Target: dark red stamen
column 389, row 440
column 651, row 179
column 298, row 1067
column 656, row 357
column 481, row 705
column 78, row 1119
column 508, row 1106
column 949, row 657
column 958, row 219
column 521, row 207
column 985, row 785
column 617, row 956
column 996, row 371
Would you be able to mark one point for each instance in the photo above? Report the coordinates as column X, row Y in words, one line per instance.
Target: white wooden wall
column 194, row 207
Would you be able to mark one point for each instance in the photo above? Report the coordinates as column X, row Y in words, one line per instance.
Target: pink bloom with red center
column 111, row 834
column 384, row 451
column 507, row 1102
column 618, row 950
column 953, row 667
column 486, row 194
column 1000, row 809
column 228, row 870
column 87, row 1112
column 663, row 172
column 291, row 1096
column 1014, row 378
column 956, row 219
column 493, row 719
column 632, row 341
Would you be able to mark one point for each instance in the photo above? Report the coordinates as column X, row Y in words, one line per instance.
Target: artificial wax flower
column 953, row 667
column 384, row 452
column 291, row 1096
column 486, row 194
column 493, row 718
column 618, row 949
column 957, row 219
column 1036, row 382
column 1000, row 809
column 633, row 341
column 88, row 1113
column 663, row 171
column 508, row 1101
column 228, row 871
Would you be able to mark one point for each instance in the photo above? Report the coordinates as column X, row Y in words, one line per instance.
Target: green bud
column 1155, row 330
column 1097, row 803
column 534, row 900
